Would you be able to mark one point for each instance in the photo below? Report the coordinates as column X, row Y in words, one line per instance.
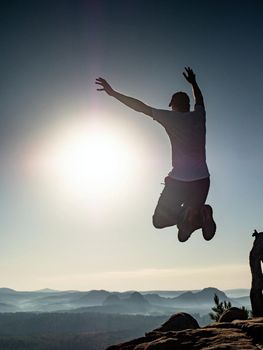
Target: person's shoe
column 208, row 223
column 188, row 224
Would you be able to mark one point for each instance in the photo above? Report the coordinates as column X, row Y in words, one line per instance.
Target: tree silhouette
column 219, row 308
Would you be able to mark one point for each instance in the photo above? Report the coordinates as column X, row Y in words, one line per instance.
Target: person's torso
column 187, row 133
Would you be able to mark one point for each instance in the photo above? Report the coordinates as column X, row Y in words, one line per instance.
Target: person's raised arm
column 190, row 77
column 131, row 102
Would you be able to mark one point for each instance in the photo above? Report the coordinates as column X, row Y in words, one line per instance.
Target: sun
column 88, row 160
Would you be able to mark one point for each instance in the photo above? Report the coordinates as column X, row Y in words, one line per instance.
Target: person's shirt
column 187, row 133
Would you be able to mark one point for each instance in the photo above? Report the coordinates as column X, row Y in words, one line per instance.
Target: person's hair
column 181, row 100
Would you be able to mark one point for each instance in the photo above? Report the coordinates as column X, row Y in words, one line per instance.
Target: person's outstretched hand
column 189, row 75
column 105, row 86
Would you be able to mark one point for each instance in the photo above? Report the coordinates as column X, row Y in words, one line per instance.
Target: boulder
column 178, row 322
column 232, row 314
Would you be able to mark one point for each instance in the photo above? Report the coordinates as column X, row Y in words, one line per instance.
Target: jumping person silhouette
column 182, row 201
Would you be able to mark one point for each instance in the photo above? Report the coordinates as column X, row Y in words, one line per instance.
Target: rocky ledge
column 182, row 332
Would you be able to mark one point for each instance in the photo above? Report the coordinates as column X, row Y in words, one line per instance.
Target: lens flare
column 88, row 160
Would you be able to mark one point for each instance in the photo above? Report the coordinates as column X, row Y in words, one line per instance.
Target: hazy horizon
column 123, row 290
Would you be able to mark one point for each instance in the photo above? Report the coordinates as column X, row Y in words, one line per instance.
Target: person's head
column 180, row 102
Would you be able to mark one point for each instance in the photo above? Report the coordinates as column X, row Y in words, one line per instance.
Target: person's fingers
column 101, row 80
column 185, row 75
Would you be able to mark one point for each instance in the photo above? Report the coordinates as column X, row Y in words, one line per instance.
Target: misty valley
column 49, row 319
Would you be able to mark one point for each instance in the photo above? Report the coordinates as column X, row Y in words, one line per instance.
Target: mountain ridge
column 48, row 300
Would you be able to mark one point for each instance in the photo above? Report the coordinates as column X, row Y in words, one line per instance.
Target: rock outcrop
column 233, row 313
column 255, row 260
column 178, row 322
column 235, row 335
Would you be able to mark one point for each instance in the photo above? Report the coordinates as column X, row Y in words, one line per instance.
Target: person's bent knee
column 159, row 222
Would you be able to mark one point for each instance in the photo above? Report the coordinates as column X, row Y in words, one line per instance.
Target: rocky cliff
column 238, row 334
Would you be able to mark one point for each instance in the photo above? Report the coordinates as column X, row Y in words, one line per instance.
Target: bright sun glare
column 89, row 160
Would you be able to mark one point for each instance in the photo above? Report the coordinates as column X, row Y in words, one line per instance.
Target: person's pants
column 176, row 197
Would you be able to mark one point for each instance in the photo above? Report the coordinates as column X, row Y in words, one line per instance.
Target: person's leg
column 208, row 223
column 195, row 197
column 206, row 212
column 169, row 208
column 197, row 193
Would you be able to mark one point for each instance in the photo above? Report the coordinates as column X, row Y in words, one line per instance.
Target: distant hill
column 130, row 302
column 112, row 299
column 205, row 296
column 166, row 293
column 133, row 304
column 47, row 290
column 7, row 291
column 242, row 301
column 7, row 307
column 237, row 293
column 157, row 299
column 135, row 298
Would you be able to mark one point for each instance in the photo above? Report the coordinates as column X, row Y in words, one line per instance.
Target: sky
column 81, row 173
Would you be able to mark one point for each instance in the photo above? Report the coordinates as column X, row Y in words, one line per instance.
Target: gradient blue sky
column 51, row 53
